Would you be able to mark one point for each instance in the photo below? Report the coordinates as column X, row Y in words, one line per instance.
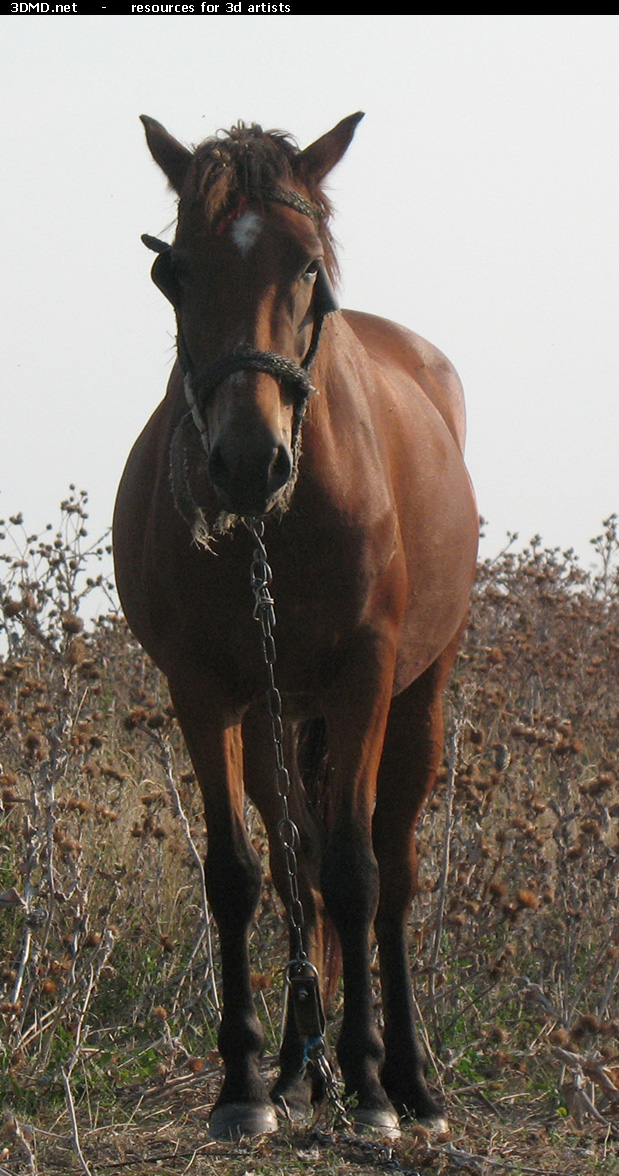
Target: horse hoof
column 379, row 1120
column 435, row 1124
column 231, row 1120
column 294, row 1111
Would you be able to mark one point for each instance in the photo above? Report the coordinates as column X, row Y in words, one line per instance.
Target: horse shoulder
column 390, row 344
column 141, row 505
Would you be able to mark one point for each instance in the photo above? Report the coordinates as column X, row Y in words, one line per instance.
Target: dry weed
column 108, row 989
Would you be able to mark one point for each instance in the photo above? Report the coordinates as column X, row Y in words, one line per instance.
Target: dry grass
column 108, row 989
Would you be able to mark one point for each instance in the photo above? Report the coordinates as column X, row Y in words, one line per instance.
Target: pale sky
column 478, row 205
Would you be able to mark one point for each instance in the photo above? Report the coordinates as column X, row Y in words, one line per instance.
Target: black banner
column 157, row 8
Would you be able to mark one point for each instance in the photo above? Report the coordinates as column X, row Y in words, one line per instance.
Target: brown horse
column 371, row 531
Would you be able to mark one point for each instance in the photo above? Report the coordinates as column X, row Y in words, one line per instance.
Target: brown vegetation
column 108, row 988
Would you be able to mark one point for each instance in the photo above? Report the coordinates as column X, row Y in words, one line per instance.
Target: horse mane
column 245, row 162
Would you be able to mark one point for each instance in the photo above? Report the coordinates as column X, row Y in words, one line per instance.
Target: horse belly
column 439, row 540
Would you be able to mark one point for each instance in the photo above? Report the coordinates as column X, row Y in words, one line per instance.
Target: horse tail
column 313, row 761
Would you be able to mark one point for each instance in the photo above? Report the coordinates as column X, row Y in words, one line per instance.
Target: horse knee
column 349, row 880
column 233, row 883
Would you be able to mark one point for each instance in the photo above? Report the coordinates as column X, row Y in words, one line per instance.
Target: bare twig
column 422, row 1030
column 591, row 1066
column 535, row 992
column 24, row 1135
column 452, row 763
column 74, row 1130
column 165, row 759
column 108, row 943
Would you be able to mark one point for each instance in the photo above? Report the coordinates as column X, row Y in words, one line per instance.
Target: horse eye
column 311, row 271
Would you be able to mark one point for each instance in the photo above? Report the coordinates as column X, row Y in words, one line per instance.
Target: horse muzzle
column 249, row 479
column 251, row 465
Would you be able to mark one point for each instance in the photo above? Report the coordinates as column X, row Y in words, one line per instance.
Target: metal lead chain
column 302, row 981
column 264, row 612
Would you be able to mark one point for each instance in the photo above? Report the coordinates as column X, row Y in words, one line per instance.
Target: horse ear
column 172, row 157
column 317, row 160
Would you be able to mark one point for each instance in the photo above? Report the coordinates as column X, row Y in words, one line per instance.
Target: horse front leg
column 356, row 717
column 233, row 881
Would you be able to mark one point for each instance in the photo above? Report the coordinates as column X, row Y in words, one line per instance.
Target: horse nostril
column 280, row 468
column 218, row 468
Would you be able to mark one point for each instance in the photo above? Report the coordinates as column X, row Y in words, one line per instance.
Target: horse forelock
column 243, row 164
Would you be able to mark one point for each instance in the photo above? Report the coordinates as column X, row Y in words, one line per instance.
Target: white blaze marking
column 246, row 230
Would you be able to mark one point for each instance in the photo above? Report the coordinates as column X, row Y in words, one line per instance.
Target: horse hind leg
column 411, row 755
column 356, row 711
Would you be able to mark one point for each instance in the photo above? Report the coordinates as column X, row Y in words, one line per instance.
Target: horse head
column 249, row 275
